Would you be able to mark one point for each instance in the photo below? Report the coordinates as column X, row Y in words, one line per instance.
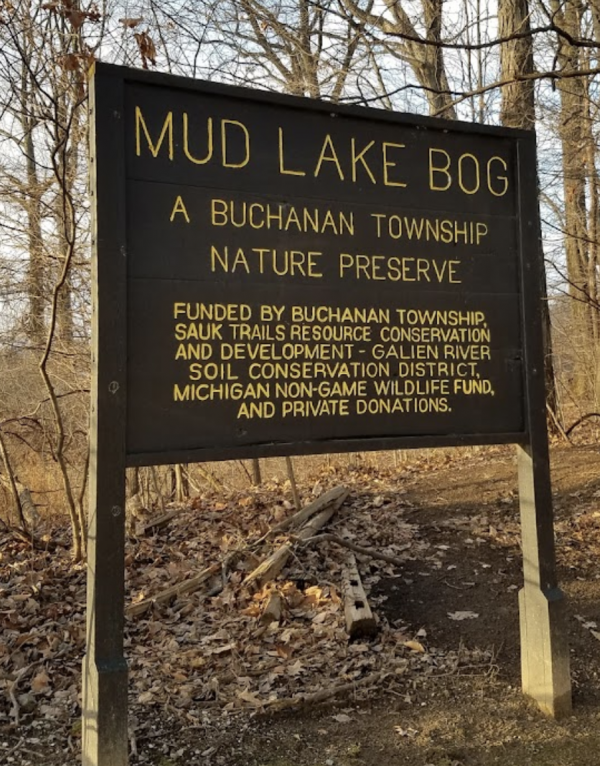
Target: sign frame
column 545, row 659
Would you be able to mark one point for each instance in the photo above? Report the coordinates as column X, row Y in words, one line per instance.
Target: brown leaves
column 40, row 682
column 72, row 13
column 145, row 43
column 224, row 651
column 41, row 622
column 130, row 23
column 71, row 62
column 146, row 48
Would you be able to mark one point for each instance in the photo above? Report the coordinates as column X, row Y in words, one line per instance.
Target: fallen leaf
column 341, row 718
column 247, row 696
column 414, row 646
column 40, row 682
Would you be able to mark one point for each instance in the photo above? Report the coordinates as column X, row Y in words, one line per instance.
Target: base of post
column 544, row 650
column 104, row 713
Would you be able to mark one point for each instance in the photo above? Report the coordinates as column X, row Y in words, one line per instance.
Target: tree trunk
column 518, row 111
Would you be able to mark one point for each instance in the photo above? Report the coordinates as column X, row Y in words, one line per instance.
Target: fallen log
column 158, row 522
column 323, row 501
column 359, row 617
column 180, row 589
column 35, row 542
column 268, row 569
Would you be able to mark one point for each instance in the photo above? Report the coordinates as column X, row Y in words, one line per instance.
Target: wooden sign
column 302, row 278
column 277, row 276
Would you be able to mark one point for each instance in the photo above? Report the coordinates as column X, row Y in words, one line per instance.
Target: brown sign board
column 303, row 277
column 277, row 276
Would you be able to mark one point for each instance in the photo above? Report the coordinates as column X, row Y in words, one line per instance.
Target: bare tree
column 417, row 41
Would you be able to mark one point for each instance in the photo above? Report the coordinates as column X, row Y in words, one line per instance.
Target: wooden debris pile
column 302, row 528
column 276, row 612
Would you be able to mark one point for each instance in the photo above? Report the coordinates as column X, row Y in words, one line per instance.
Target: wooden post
column 256, row 477
column 104, row 709
column 544, row 647
column 292, row 477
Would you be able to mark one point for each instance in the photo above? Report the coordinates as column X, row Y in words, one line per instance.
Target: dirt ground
column 450, row 697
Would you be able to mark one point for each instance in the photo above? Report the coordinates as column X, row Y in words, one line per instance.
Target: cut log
column 180, row 589
column 359, row 617
column 323, row 501
column 268, row 569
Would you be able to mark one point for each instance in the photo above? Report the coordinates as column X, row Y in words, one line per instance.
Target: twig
column 322, row 695
column 245, row 470
column 133, row 742
column 15, row 705
column 454, row 587
column 581, row 420
column 11, row 693
column 331, row 538
column 15, row 748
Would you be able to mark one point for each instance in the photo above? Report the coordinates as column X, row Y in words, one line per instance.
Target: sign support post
column 104, row 725
column 545, row 673
column 544, row 649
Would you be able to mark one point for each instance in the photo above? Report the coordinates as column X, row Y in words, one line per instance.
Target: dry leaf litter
column 207, row 659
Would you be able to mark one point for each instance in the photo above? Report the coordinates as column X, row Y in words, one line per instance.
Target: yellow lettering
column 209, row 142
column 241, row 261
column 389, row 164
column 461, row 161
column 328, row 144
column 167, row 129
column 246, row 160
column 179, row 209
column 439, row 169
column 253, row 223
column 500, row 192
column 282, row 169
column 218, row 216
column 360, row 157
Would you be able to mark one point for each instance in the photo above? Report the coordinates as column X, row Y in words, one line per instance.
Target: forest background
column 516, row 63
